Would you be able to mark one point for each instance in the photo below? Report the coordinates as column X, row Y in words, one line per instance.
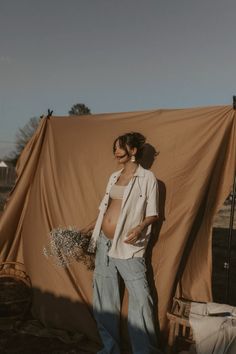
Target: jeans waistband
column 105, row 237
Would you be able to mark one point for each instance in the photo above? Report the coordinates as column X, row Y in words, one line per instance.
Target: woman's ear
column 134, row 151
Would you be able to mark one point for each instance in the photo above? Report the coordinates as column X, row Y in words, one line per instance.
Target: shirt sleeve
column 152, row 208
column 101, row 204
column 106, row 193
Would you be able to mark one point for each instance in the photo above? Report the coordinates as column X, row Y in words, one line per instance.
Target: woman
column 120, row 234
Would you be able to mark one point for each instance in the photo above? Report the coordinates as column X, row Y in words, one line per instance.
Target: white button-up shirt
column 140, row 200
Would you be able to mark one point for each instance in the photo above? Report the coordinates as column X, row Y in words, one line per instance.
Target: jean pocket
column 137, row 265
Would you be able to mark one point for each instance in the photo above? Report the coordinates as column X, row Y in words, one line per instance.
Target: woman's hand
column 134, row 234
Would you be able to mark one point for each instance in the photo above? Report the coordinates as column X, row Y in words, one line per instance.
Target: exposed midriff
column 111, row 216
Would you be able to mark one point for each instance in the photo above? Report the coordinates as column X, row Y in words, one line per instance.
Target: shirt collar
column 139, row 172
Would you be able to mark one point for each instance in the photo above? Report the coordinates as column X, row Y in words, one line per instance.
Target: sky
column 113, row 56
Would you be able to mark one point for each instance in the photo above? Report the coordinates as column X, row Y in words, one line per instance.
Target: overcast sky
column 113, row 55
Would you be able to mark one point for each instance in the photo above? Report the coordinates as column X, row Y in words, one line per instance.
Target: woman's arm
column 134, row 233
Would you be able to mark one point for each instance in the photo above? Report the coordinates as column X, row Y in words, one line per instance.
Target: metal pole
column 234, row 102
column 231, row 227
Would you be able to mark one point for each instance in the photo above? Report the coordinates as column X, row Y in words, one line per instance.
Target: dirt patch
column 13, row 342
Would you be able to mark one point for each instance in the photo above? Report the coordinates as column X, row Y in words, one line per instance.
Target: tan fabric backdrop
column 62, row 174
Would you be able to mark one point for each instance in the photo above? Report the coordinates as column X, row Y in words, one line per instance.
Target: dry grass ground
column 13, row 342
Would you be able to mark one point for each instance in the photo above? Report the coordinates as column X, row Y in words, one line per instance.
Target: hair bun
column 139, row 138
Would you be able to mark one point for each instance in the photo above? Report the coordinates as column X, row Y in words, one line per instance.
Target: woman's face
column 121, row 155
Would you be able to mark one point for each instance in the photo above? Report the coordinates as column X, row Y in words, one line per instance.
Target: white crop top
column 117, row 191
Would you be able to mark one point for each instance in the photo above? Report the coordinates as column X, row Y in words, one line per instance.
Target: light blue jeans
column 106, row 301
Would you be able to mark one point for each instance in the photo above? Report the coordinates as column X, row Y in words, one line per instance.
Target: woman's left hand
column 133, row 234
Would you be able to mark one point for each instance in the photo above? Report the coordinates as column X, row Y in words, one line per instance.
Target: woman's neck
column 130, row 168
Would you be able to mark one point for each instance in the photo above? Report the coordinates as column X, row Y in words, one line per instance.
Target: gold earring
column 132, row 158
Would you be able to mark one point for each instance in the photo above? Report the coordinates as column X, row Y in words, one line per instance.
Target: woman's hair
column 132, row 139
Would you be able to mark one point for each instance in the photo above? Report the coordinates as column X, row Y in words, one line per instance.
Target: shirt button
column 106, row 192
column 105, row 203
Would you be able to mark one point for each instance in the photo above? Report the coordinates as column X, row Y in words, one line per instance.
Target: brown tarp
column 62, row 174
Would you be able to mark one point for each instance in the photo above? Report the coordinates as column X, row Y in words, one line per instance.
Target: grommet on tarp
column 226, row 265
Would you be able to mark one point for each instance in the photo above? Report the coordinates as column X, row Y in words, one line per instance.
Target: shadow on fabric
column 53, row 315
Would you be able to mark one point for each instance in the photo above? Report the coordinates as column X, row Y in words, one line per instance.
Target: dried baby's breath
column 67, row 245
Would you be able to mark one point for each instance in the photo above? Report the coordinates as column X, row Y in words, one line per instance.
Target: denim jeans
column 106, row 301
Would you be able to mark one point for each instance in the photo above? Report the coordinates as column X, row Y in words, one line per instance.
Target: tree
column 23, row 135
column 79, row 109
